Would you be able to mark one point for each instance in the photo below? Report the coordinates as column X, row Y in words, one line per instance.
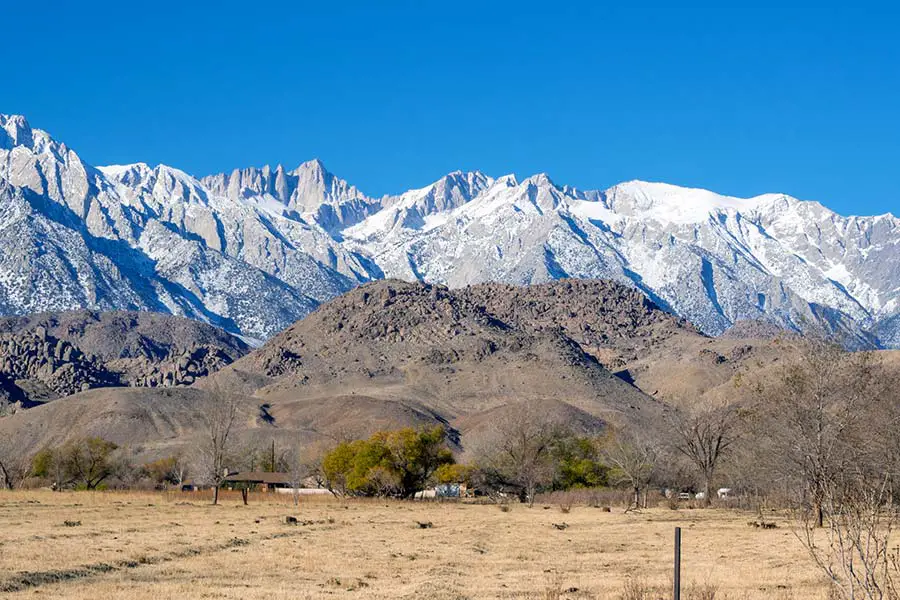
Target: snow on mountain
column 309, row 193
column 151, row 238
column 256, row 249
column 710, row 258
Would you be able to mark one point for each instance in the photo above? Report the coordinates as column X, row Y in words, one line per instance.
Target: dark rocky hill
column 413, row 346
column 50, row 355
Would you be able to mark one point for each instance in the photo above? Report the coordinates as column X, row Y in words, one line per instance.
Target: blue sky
column 392, row 95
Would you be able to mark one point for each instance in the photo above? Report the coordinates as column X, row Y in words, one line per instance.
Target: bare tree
column 296, row 470
column 632, row 460
column 304, row 461
column 704, row 435
column 853, row 549
column 218, row 413
column 814, row 417
column 831, row 419
column 179, row 470
column 15, row 465
column 517, row 453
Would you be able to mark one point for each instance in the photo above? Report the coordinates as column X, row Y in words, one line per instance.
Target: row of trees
column 521, row 455
column 827, row 436
column 821, row 436
column 88, row 463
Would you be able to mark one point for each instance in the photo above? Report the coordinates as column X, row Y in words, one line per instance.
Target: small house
column 259, row 480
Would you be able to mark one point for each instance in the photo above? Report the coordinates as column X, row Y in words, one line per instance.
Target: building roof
column 260, row 477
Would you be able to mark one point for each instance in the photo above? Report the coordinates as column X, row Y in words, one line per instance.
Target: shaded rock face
column 150, row 239
column 756, row 330
column 176, row 368
column 46, row 356
column 36, row 366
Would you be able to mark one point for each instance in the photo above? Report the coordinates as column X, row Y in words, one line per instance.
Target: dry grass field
column 156, row 546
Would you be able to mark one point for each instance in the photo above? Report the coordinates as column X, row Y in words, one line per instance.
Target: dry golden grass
column 157, row 546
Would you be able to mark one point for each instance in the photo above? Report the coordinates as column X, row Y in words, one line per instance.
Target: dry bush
column 554, row 589
column 784, row 594
column 702, row 591
column 564, row 500
column 637, row 589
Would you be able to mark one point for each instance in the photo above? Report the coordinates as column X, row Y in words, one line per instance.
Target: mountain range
column 254, row 250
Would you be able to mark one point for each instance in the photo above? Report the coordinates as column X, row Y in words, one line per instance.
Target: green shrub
column 390, row 463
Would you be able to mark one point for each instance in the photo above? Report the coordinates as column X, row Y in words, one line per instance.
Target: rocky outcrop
column 50, row 355
column 37, row 364
column 176, row 369
column 594, row 313
column 435, row 348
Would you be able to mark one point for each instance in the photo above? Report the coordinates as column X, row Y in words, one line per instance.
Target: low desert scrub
column 703, row 591
column 638, row 589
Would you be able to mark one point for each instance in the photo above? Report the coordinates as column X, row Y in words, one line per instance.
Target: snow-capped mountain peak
column 669, row 203
column 139, row 169
column 539, row 180
column 15, row 131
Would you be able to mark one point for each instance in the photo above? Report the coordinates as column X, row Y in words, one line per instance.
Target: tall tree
column 89, row 461
column 517, row 453
column 48, row 464
column 632, row 461
column 85, row 462
column 704, row 435
column 815, row 415
column 390, row 463
column 218, row 413
column 415, row 455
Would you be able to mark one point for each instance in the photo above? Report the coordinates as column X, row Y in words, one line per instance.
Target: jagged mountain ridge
column 254, row 250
